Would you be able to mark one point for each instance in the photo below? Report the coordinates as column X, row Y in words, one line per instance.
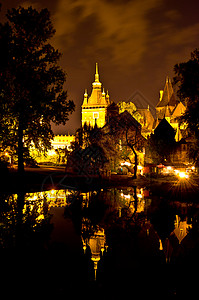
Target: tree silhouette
column 186, row 79
column 31, row 81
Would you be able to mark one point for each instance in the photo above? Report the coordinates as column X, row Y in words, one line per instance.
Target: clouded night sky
column 136, row 44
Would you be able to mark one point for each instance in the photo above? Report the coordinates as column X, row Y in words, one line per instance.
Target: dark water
column 102, row 243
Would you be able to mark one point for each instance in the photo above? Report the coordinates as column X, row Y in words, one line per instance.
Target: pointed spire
column 107, row 98
column 85, row 97
column 96, row 73
column 96, row 84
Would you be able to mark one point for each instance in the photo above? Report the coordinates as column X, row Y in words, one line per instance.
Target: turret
column 107, row 98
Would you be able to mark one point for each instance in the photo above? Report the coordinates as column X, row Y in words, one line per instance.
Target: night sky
column 136, row 44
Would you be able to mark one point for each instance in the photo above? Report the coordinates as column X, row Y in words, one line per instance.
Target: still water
column 106, row 242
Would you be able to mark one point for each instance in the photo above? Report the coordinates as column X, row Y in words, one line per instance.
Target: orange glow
column 183, row 175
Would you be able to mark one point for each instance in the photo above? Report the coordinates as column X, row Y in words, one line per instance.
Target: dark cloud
column 136, row 43
column 122, row 28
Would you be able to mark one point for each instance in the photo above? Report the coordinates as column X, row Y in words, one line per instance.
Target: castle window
column 95, row 115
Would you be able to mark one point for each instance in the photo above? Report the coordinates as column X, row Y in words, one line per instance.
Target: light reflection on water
column 105, row 233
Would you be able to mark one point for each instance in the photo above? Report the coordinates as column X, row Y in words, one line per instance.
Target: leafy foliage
column 187, row 81
column 31, row 81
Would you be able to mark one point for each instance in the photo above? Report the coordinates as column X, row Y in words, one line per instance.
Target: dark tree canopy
column 31, row 81
column 187, row 78
column 187, row 81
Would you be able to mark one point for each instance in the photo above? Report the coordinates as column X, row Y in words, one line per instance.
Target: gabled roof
column 168, row 97
column 127, row 119
column 179, row 110
column 98, row 96
column 165, row 127
column 121, row 121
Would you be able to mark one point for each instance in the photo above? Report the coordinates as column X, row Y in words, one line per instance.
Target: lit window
column 95, row 115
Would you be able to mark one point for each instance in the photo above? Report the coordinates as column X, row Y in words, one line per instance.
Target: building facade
column 94, row 108
column 62, row 141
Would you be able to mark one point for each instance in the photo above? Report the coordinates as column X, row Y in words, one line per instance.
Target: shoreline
column 55, row 178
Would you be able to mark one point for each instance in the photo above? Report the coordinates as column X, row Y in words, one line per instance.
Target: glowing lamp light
column 126, row 163
column 183, row 175
column 51, row 194
column 125, row 196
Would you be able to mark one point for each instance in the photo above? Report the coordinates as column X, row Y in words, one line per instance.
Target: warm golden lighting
column 176, row 172
column 126, row 163
column 183, row 175
column 126, row 196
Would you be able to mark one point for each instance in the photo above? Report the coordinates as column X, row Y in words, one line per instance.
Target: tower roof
column 168, row 97
column 98, row 96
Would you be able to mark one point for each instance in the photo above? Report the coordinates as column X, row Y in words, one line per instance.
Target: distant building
column 171, row 109
column 94, row 108
column 142, row 115
column 62, row 141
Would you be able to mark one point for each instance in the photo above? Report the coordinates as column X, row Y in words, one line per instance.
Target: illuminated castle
column 94, row 107
column 171, row 109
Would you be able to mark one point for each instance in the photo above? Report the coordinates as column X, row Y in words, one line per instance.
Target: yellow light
column 183, row 175
column 126, row 163
column 140, row 167
column 51, row 194
column 125, row 196
column 51, row 152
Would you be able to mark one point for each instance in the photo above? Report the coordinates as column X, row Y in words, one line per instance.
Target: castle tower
column 94, row 107
column 167, row 101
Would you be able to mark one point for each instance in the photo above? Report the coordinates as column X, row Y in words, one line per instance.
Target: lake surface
column 106, row 242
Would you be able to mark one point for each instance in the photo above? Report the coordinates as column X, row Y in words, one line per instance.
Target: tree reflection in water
column 24, row 222
column 114, row 238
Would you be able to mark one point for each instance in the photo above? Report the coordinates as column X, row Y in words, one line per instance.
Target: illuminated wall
column 62, row 141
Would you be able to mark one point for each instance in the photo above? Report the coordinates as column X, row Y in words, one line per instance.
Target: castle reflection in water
column 100, row 216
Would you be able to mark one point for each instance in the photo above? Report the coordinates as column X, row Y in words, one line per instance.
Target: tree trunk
column 136, row 163
column 20, row 149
